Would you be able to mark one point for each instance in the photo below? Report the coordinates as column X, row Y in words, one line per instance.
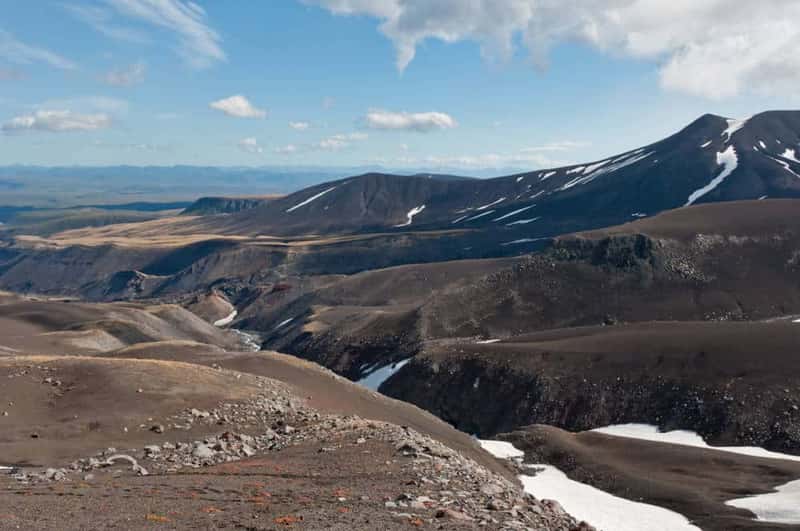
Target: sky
column 397, row 83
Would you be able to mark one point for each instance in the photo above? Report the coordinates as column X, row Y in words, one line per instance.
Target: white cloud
column 87, row 105
column 286, row 150
column 420, row 121
column 338, row 142
column 239, row 107
column 299, row 126
column 126, row 77
column 18, row 52
column 57, row 122
column 250, row 145
column 711, row 48
column 199, row 45
column 565, row 145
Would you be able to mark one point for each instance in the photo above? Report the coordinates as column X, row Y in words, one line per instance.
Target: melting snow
column 376, row 378
column 225, row 321
column 762, row 197
column 781, row 507
column 523, row 221
column 638, row 215
column 785, row 166
column 310, row 199
column 521, row 241
column 633, row 158
column 511, row 214
column 577, row 169
column 283, row 323
column 410, row 215
column 584, row 502
column 488, row 341
column 462, row 218
column 706, row 144
column 473, row 218
column 519, row 179
column 762, row 144
column 484, row 207
column 733, row 126
column 647, row 432
column 547, row 175
column 790, row 155
column 730, row 161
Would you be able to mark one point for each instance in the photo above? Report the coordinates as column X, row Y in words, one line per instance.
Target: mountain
column 713, row 159
column 207, row 206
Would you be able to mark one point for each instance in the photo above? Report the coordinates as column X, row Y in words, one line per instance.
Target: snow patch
column 514, row 213
column 519, row 179
column 762, row 144
column 577, row 169
column 785, row 166
column 225, row 321
column 473, row 218
column 790, row 155
column 733, row 126
column 459, row 220
column 537, row 194
column 730, row 161
column 584, row 502
column 523, row 221
column 629, row 160
column 410, row 215
column 780, row 507
column 521, row 241
column 484, row 207
column 310, row 199
column 703, row 146
column 376, row 378
column 647, row 432
column 488, row 341
column 283, row 323
column 547, row 175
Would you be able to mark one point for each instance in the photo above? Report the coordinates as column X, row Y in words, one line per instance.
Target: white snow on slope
column 785, row 165
column 502, row 449
column 488, row 341
column 706, row 144
column 521, row 241
column 484, row 207
column 547, row 175
column 519, row 179
column 647, row 432
column 514, row 213
column 376, row 378
column 790, row 155
column 599, row 508
column 762, row 144
column 577, row 169
column 473, row 218
column 283, row 323
column 537, row 194
column 225, row 321
column 733, row 126
column 410, row 215
column 523, row 221
column 458, row 220
column 730, row 161
column 629, row 160
column 310, row 199
column 781, row 507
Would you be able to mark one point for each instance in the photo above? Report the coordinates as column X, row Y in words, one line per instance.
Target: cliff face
column 207, row 206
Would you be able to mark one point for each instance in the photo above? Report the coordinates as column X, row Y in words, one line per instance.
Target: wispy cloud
column 126, row 77
column 250, row 145
column 299, row 126
column 404, row 121
column 290, row 149
column 16, row 51
column 56, row 122
column 102, row 20
column 199, row 44
column 239, row 107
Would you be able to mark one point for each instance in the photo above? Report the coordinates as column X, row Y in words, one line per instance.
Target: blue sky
column 103, row 82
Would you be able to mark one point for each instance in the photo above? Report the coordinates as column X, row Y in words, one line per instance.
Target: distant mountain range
column 713, row 159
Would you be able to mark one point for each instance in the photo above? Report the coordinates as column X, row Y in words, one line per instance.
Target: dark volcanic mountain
column 713, row 159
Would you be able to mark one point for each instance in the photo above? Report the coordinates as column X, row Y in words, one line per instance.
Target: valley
column 656, row 287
